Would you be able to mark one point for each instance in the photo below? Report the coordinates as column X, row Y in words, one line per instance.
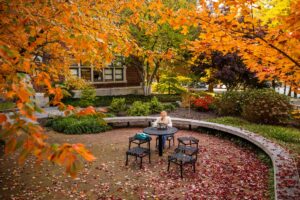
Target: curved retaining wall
column 286, row 177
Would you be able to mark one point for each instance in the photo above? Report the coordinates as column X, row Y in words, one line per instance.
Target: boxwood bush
column 74, row 124
column 118, row 105
column 139, row 108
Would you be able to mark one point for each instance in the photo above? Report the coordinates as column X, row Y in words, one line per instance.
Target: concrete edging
column 286, row 177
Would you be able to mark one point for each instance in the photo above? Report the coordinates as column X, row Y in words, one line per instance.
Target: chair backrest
column 188, row 141
column 139, row 142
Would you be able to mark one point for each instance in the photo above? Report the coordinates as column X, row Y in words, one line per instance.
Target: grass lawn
column 285, row 136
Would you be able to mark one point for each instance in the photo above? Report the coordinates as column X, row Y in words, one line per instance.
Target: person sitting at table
column 163, row 119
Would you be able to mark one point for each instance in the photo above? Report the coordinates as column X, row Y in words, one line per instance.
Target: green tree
column 159, row 44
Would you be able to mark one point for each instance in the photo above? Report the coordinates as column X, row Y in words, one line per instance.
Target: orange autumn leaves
column 60, row 34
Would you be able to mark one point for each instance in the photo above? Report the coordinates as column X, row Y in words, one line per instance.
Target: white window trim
column 79, row 66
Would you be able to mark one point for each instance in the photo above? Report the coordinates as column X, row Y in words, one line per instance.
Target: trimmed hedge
column 74, row 124
column 129, row 99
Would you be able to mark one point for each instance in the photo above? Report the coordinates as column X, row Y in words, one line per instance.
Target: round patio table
column 160, row 133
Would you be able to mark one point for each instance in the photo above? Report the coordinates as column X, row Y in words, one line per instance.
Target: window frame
column 79, row 68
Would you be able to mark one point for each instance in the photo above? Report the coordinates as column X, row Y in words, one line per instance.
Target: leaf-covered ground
column 224, row 171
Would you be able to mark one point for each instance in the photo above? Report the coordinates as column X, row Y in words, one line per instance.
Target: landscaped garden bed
column 106, row 100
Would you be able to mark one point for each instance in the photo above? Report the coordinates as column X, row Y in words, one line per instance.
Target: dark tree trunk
column 290, row 91
column 211, row 87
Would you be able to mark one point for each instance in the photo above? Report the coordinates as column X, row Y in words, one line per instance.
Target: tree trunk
column 211, row 87
column 290, row 91
column 147, row 90
column 273, row 84
column 284, row 88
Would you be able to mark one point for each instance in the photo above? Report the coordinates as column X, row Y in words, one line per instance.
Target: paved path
column 286, row 177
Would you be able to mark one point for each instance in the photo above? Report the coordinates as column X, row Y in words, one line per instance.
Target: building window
column 119, row 74
column 74, row 72
column 115, row 72
column 86, row 74
column 98, row 76
column 108, row 74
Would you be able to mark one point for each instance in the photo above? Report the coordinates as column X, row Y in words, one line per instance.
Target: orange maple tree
column 61, row 33
column 270, row 51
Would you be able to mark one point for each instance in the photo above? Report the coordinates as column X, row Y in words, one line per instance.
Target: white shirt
column 167, row 120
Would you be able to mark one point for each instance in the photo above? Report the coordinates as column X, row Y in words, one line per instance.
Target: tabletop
column 155, row 131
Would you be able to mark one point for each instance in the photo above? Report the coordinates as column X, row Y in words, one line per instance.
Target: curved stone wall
column 286, row 177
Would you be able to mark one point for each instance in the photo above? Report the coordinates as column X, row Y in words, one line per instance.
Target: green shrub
column 139, row 108
column 118, row 105
column 170, row 106
column 266, row 106
column 129, row 99
column 78, row 124
column 7, row 105
column 230, row 103
column 155, row 105
column 168, row 97
column 88, row 96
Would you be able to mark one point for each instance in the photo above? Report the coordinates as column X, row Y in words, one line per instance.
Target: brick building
column 115, row 79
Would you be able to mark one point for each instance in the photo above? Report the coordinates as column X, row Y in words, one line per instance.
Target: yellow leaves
column 65, row 155
column 58, row 95
column 184, row 30
column 21, row 91
column 81, row 150
column 43, row 78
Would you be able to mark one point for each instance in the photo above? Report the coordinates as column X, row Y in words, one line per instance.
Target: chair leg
column 194, row 167
column 173, row 141
column 126, row 160
column 141, row 163
column 150, row 158
column 169, row 165
column 181, row 169
column 169, row 144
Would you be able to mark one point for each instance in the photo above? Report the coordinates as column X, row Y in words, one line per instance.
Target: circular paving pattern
column 224, row 171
